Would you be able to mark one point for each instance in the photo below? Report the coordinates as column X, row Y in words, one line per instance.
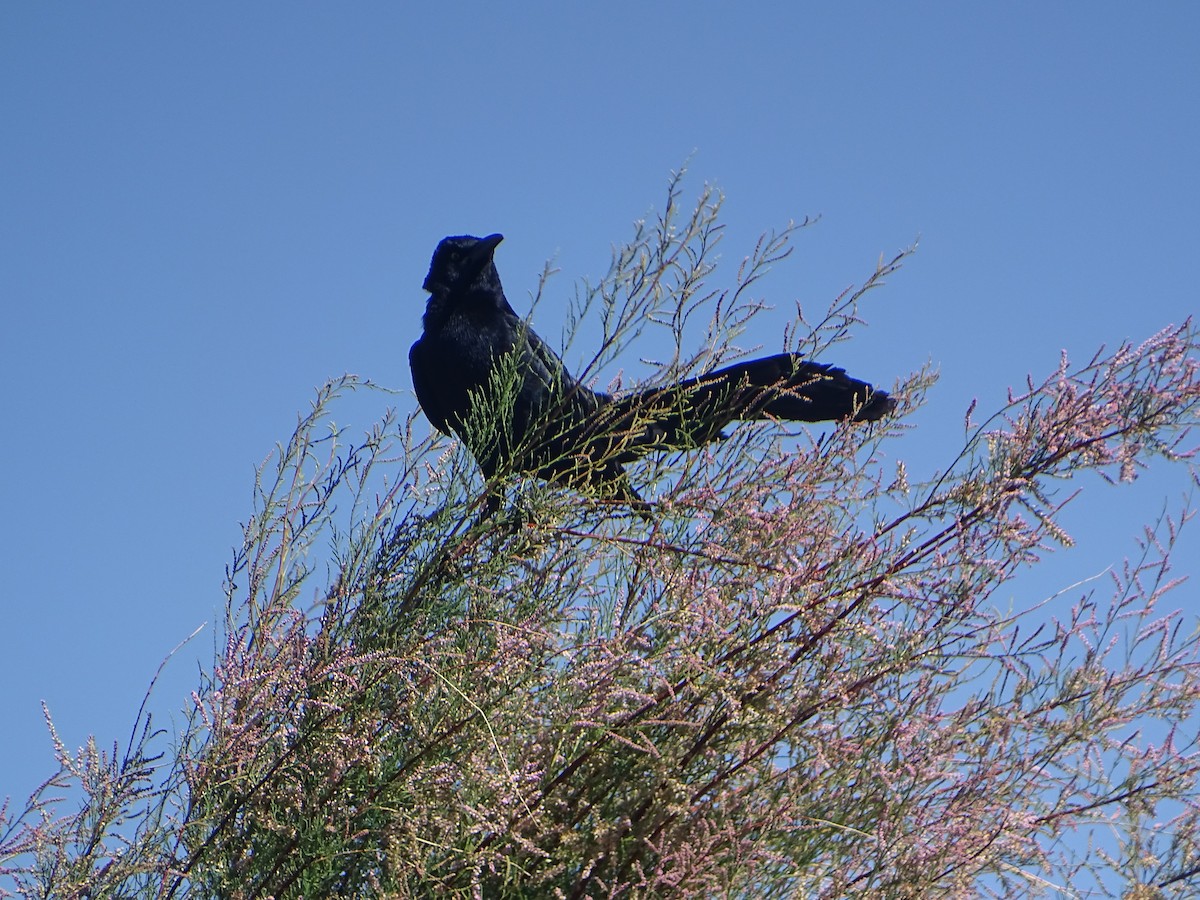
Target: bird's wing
column 546, row 365
column 426, row 387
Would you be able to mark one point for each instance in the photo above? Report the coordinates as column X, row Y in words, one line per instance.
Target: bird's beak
column 490, row 243
column 481, row 253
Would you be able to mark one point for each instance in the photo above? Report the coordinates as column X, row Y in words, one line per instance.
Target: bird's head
column 463, row 265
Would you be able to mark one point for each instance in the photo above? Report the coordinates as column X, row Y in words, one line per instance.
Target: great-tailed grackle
column 483, row 374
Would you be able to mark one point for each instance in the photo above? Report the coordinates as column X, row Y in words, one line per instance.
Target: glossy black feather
column 480, row 372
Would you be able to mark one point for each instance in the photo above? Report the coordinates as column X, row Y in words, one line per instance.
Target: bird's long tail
column 784, row 386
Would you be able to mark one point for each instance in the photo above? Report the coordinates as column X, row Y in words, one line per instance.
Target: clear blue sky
column 208, row 209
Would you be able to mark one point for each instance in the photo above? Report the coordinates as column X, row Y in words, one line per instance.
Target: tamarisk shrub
column 793, row 682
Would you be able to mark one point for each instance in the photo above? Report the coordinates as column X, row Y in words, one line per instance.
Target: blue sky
column 208, row 209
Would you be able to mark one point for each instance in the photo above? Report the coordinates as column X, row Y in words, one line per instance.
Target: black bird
column 482, row 373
